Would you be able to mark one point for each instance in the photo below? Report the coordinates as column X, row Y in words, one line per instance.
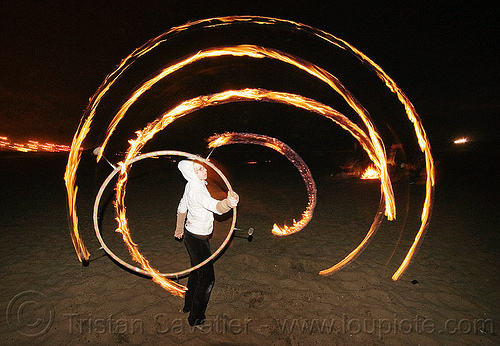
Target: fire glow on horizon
column 370, row 173
column 32, row 146
column 368, row 137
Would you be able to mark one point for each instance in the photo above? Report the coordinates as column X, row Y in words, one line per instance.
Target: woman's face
column 200, row 171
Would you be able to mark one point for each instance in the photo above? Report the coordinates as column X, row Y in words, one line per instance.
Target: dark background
column 55, row 54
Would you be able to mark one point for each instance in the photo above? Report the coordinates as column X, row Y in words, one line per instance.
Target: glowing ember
column 369, row 140
column 370, row 173
column 275, row 144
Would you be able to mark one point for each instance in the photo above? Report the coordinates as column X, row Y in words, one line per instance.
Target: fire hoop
column 141, row 157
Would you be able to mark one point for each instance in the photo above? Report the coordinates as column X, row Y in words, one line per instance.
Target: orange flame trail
column 378, row 152
column 70, row 181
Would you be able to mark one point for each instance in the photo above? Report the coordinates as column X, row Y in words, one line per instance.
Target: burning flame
column 370, row 173
column 369, row 140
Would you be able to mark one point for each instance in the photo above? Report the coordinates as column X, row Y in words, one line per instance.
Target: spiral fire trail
column 367, row 137
column 200, row 102
column 252, row 51
column 227, row 138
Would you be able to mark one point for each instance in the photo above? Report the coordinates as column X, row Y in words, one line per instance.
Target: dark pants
column 200, row 281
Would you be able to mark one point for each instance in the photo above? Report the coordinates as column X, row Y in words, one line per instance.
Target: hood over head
column 187, row 169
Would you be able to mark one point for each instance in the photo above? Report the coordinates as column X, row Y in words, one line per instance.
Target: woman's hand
column 179, row 233
column 232, row 199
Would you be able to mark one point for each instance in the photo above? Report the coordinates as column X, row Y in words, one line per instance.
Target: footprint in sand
column 254, row 299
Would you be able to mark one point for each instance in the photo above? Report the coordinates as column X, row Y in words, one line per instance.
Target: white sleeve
column 182, row 208
column 207, row 202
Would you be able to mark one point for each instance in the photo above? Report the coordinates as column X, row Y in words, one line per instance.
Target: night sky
column 55, row 54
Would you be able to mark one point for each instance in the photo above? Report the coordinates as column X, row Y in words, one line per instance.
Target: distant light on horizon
column 32, row 146
column 462, row 140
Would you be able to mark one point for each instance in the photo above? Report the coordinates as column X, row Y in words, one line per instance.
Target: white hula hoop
column 141, row 157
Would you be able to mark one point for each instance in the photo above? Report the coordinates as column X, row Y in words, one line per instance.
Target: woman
column 195, row 223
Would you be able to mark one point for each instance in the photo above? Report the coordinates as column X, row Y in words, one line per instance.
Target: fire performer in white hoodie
column 195, row 223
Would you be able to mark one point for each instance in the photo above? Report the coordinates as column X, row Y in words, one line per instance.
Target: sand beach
column 267, row 291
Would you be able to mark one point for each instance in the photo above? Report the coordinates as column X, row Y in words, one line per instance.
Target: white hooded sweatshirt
column 196, row 201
